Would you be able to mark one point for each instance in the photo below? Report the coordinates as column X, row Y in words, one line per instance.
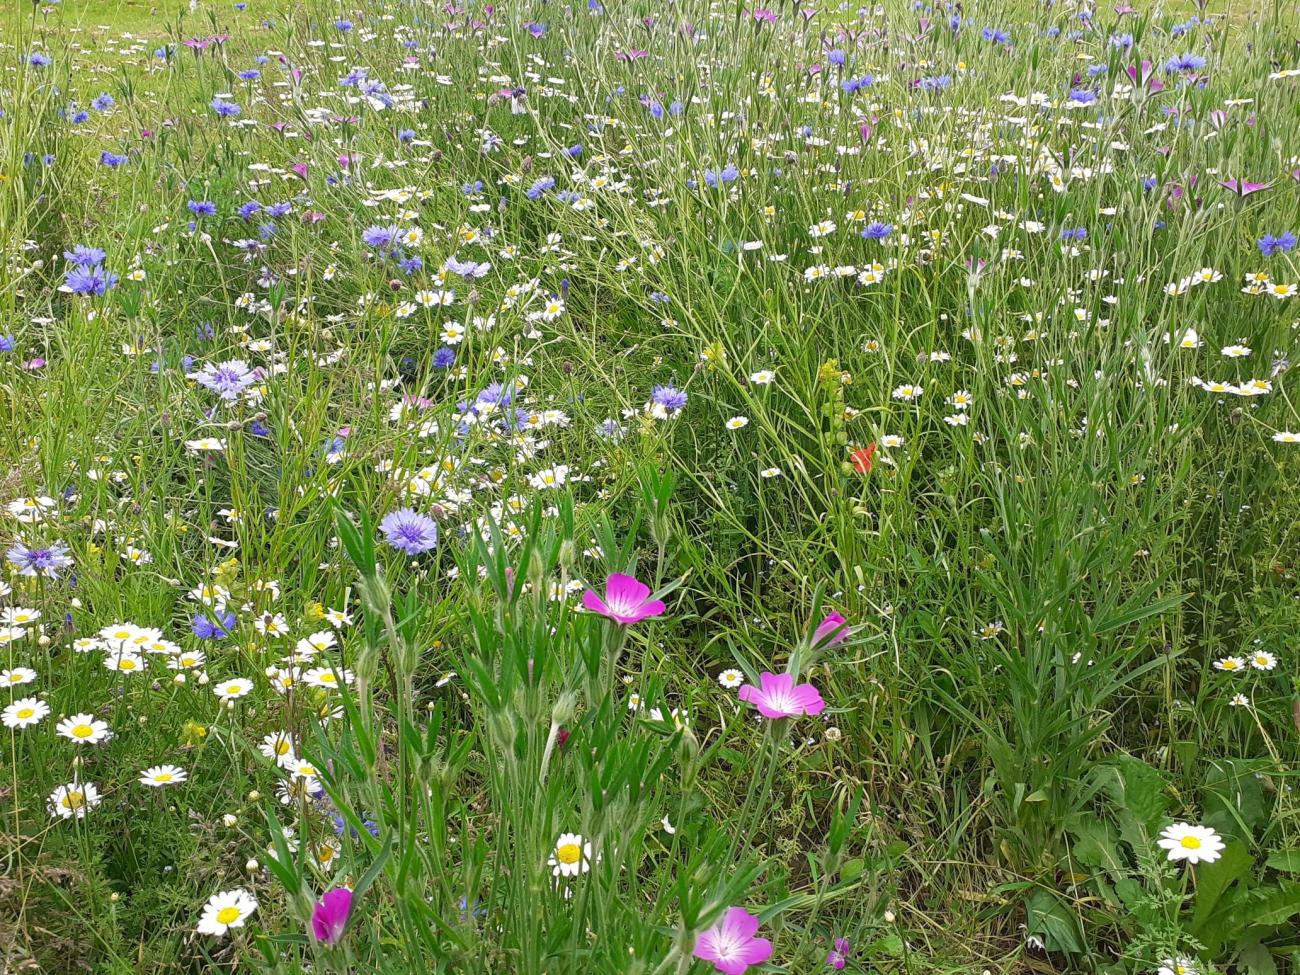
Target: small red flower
column 862, row 459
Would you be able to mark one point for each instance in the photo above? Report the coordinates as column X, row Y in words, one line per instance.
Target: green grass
column 1054, row 547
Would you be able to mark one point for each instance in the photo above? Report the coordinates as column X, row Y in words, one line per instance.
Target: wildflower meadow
column 653, row 487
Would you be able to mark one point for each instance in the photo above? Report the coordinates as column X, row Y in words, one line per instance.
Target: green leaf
column 1096, row 844
column 1255, row 959
column 1212, row 879
column 1051, row 921
column 1287, row 861
column 1277, row 907
column 1234, row 798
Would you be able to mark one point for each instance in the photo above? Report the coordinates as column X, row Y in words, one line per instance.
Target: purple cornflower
column 224, row 108
column 1281, row 244
column 40, row 561
column 444, row 358
column 539, row 187
column 380, row 238
column 670, row 398
column 103, row 103
column 84, row 256
column 84, row 280
column 39, row 60
column 877, row 231
column 227, row 379
column 1184, row 62
column 207, row 629
column 409, row 531
column 717, row 178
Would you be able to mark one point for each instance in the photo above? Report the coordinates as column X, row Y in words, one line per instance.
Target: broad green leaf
column 1212, row 879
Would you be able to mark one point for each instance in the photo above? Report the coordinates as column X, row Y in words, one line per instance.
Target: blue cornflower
column 444, row 358
column 405, row 135
column 83, row 280
column 343, row 25
column 84, row 256
column 409, row 531
column 539, row 187
column 79, row 117
column 1281, row 244
column 7, row 343
column 45, row 562
column 224, row 108
column 202, row 208
column 250, row 74
column 877, row 231
column 206, row 629
column 670, row 398
column 1074, row 233
column 1184, row 62
column 103, row 103
column 112, row 159
column 247, row 210
column 836, row 57
column 38, row 60
column 380, row 238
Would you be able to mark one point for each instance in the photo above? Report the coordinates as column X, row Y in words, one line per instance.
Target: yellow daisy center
column 25, row 713
column 568, row 853
column 1191, row 842
column 163, row 777
column 227, row 915
column 74, row 799
column 82, row 731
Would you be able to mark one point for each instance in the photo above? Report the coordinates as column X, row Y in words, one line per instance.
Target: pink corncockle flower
column 730, row 944
column 779, row 697
column 626, row 600
column 831, row 629
column 1243, row 187
column 331, row 915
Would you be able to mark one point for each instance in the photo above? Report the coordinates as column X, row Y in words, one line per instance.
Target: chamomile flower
column 226, row 910
column 83, row 729
column 570, row 856
column 73, row 800
column 24, row 712
column 1195, row 844
column 158, row 776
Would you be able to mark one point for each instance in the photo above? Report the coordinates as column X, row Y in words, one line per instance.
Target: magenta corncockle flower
column 779, row 697
column 626, row 600
column 831, row 627
column 730, row 944
column 1243, row 187
column 331, row 914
